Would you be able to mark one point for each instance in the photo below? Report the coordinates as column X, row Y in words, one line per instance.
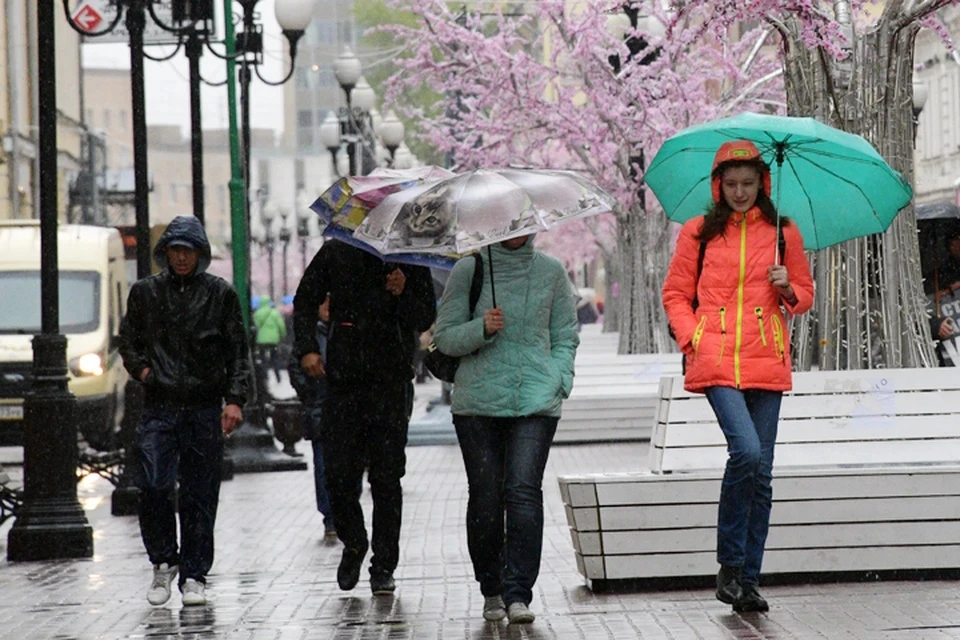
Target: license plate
column 11, row 412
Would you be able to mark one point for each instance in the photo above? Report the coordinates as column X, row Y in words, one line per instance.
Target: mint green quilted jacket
column 526, row 368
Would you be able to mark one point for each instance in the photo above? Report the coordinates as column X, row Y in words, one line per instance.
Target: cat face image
column 429, row 216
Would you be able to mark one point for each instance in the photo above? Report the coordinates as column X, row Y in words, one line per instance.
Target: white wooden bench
column 614, row 397
column 866, row 481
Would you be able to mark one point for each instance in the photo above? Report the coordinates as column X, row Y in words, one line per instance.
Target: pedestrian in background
column 312, row 392
column 183, row 339
column 728, row 284
column 516, row 368
column 375, row 308
column 271, row 330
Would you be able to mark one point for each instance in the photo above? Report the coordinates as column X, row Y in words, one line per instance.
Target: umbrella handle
column 493, row 290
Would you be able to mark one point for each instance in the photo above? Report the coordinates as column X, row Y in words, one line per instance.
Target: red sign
column 86, row 17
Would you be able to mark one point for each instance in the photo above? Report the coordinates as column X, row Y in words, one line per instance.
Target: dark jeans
column 366, row 425
column 271, row 358
column 749, row 423
column 183, row 444
column 505, row 459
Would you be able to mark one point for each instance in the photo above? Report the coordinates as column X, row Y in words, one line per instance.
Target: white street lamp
column 364, row 97
column 347, row 69
column 330, row 132
column 293, row 15
column 402, row 159
column 391, row 133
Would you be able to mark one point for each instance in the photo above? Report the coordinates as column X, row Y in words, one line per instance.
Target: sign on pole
column 92, row 16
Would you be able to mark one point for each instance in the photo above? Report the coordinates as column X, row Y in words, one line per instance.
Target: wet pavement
column 274, row 577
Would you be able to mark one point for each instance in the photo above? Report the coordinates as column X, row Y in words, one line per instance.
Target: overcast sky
column 168, row 90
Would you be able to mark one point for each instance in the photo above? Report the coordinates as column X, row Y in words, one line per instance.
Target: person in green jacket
column 271, row 329
column 516, row 368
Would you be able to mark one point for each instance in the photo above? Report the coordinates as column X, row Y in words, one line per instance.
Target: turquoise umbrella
column 833, row 184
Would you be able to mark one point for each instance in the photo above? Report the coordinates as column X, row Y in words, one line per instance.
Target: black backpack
column 440, row 365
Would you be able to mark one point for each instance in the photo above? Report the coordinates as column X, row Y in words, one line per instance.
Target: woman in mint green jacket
column 516, row 368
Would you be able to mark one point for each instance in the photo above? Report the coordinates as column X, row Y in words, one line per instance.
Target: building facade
column 937, row 156
column 19, row 111
column 314, row 91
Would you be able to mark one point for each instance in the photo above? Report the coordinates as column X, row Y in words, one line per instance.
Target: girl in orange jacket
column 729, row 281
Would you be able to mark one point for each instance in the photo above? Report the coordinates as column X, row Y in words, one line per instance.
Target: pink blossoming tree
column 539, row 90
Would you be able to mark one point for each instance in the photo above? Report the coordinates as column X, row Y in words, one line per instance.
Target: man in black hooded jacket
column 375, row 310
column 183, row 338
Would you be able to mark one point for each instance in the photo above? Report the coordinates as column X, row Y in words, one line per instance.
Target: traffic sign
column 95, row 15
column 87, row 17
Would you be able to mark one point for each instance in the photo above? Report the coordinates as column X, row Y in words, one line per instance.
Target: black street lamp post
column 284, row 237
column 51, row 523
column 124, row 498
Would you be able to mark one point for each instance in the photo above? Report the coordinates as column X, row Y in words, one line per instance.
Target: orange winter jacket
column 738, row 336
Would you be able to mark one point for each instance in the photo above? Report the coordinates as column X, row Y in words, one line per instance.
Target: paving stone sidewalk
column 274, row 577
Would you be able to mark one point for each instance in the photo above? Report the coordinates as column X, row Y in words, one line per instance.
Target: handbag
column 440, row 365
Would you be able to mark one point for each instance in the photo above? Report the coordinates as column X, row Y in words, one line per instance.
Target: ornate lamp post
column 268, row 213
column 251, row 447
column 356, row 126
column 284, row 237
column 51, row 522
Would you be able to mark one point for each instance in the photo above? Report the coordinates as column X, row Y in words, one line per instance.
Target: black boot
column 348, row 573
column 728, row 584
column 750, row 600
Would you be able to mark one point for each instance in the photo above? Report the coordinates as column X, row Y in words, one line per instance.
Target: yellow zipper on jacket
column 778, row 337
column 763, row 334
column 698, row 333
column 743, row 275
column 723, row 332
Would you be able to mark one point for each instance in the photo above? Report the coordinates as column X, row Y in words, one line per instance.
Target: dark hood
column 184, row 229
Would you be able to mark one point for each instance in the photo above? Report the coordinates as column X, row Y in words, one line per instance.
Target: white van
column 93, row 296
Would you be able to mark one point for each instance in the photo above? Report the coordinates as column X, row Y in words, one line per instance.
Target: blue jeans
column 184, row 444
column 505, row 459
column 315, row 416
column 748, row 419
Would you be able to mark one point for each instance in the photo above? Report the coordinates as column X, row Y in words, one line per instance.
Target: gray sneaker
column 163, row 575
column 518, row 613
column 193, row 593
column 494, row 609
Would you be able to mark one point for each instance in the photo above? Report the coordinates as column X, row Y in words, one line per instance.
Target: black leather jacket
column 189, row 332
column 372, row 333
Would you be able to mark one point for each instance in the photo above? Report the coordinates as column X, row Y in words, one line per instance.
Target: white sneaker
column 193, row 593
column 163, row 575
column 494, row 609
column 520, row 614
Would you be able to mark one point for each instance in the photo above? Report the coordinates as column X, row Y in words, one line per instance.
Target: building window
column 123, row 120
column 302, row 78
column 304, row 118
column 222, row 198
column 173, row 193
column 305, row 139
column 90, row 117
column 299, row 173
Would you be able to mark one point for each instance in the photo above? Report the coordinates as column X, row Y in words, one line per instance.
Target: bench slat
column 887, row 558
column 820, row 454
column 686, row 516
column 820, row 536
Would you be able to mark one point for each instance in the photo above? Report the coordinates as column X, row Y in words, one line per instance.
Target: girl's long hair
column 719, row 214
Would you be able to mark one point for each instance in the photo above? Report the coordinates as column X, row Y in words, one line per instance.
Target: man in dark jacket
column 183, row 338
column 375, row 308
